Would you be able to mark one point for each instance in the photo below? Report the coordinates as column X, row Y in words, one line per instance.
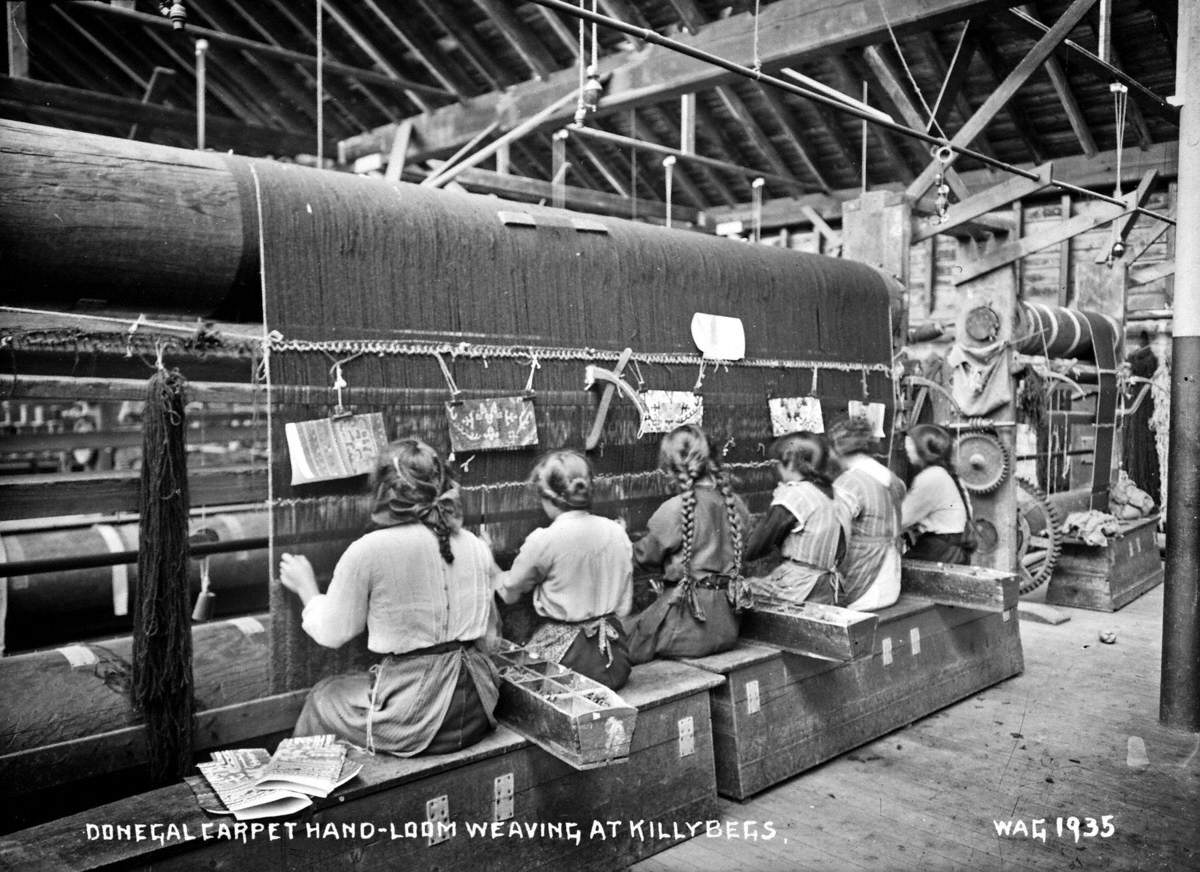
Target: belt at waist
column 708, row 582
column 440, row 648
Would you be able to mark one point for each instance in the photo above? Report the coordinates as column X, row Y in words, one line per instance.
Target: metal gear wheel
column 982, row 461
column 1039, row 536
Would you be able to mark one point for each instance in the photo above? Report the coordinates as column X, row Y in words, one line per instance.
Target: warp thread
column 162, row 633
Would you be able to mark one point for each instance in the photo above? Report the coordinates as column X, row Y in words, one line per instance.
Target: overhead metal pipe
column 651, row 36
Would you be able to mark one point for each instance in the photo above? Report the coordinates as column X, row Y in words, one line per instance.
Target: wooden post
column 1064, row 258
column 1179, row 701
column 399, row 153
column 877, row 230
column 18, row 41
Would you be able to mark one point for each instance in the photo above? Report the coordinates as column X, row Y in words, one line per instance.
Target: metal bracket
column 437, row 815
column 753, row 703
column 687, row 737
column 502, row 797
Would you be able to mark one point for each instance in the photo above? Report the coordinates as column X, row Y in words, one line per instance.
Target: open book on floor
column 250, row 783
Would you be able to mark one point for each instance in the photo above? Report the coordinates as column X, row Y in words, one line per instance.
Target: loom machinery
column 380, row 280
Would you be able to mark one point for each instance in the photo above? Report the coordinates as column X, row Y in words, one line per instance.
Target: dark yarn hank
column 162, row 634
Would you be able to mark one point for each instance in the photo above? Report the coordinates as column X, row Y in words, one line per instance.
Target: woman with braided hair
column 421, row 586
column 696, row 540
column 580, row 571
column 803, row 524
column 935, row 511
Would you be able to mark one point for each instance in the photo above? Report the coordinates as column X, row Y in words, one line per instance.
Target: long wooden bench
column 779, row 714
column 379, row 821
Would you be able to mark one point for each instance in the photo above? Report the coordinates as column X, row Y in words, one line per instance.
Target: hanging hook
column 454, row 391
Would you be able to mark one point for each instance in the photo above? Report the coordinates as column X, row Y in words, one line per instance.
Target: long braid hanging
column 739, row 593
column 688, row 525
column 162, row 635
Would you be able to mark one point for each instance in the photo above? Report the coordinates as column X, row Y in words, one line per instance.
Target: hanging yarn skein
column 162, row 634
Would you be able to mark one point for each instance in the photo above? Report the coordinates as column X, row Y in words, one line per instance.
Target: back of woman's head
column 413, row 485
column 807, row 454
column 933, row 445
column 564, row 478
column 686, row 455
column 853, row 436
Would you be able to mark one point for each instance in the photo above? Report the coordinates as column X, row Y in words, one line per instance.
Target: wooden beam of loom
column 789, row 31
column 983, row 202
column 998, row 98
column 1012, row 251
column 63, row 101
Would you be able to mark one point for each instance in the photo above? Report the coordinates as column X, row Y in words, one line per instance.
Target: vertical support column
column 687, row 123
column 1064, row 258
column 1179, row 699
column 558, row 168
column 503, row 160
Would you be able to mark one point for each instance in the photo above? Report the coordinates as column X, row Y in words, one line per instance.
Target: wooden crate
column 779, row 714
column 1108, row 577
column 667, row 784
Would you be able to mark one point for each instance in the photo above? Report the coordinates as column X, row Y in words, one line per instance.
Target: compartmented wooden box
column 578, row 720
column 1108, row 577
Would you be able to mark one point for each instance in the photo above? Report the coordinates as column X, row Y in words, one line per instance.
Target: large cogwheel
column 1039, row 536
column 982, row 461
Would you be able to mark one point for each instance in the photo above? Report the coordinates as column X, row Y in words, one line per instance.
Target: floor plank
column 1051, row 743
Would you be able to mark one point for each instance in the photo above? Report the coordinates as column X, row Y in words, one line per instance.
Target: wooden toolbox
column 1108, row 577
column 779, row 714
column 388, row 818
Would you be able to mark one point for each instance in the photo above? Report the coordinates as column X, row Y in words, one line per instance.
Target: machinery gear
column 1039, row 536
column 982, row 461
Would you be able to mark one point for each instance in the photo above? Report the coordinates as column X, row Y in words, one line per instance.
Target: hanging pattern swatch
column 492, row 424
column 666, row 410
column 791, row 414
column 330, row 448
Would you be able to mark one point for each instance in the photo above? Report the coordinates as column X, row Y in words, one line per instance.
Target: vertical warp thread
column 162, row 634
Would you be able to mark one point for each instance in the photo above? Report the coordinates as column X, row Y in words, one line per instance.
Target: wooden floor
column 1077, row 735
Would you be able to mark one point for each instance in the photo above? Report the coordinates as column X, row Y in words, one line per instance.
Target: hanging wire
column 937, row 104
column 1120, row 108
column 933, row 122
column 320, row 83
column 757, row 65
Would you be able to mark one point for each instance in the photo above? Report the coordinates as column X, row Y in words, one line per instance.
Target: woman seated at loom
column 580, row 571
column 935, row 511
column 803, row 524
column 422, row 588
column 695, row 540
column 869, row 495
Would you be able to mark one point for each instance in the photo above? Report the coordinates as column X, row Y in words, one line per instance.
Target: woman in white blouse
column 421, row 587
column 934, row 513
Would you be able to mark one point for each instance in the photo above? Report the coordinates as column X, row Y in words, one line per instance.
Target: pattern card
column 789, row 414
column 666, row 410
column 331, row 448
column 873, row 412
column 492, row 424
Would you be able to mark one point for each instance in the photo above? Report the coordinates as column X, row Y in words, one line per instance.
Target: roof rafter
column 734, row 105
column 475, row 51
column 790, row 30
column 427, row 53
column 519, row 36
column 886, row 141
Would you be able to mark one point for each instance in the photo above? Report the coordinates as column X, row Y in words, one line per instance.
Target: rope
column 415, row 348
column 757, row 65
column 933, row 122
column 937, row 104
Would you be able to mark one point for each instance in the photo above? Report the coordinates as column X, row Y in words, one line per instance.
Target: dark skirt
column 465, row 723
column 669, row 629
column 939, row 548
column 585, row 657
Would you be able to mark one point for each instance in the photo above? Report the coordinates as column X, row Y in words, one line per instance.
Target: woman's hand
column 296, row 574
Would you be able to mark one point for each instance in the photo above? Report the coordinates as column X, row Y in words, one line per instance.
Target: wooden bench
column 379, row 820
column 779, row 714
column 1108, row 577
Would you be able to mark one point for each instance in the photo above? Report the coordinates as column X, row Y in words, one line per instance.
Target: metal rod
column 458, row 155
column 630, row 142
column 648, row 35
column 218, row 37
column 201, row 89
column 528, row 125
column 320, row 83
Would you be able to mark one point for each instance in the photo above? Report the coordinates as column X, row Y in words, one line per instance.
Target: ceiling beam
column 734, row 106
column 18, row 39
column 995, row 64
column 1066, row 96
column 520, row 37
column 955, row 93
column 710, row 176
column 430, row 56
column 848, row 83
column 222, row 133
column 368, row 48
column 602, row 166
column 680, row 179
column 265, row 49
column 160, row 82
column 1089, row 172
column 624, row 11
column 789, row 31
column 778, row 109
column 1077, row 54
column 464, row 34
column 996, row 101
